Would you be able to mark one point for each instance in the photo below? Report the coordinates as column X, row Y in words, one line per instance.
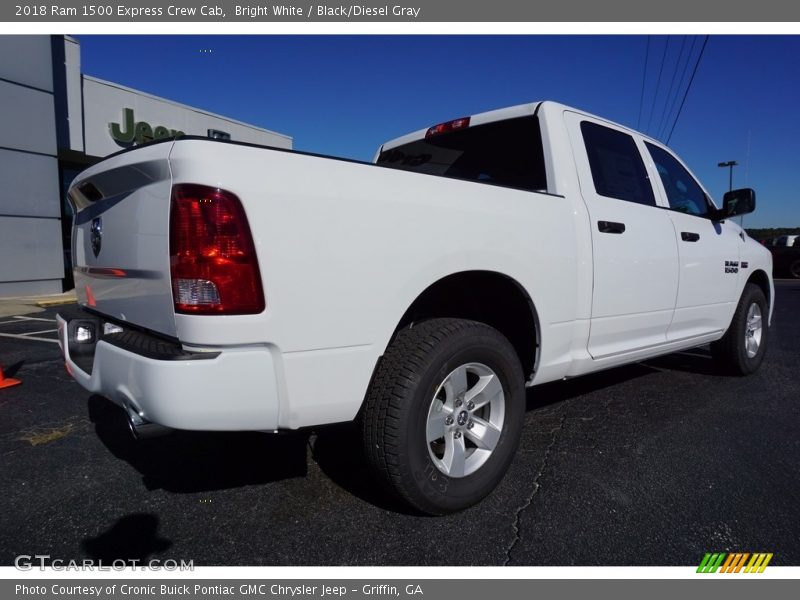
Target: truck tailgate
column 120, row 244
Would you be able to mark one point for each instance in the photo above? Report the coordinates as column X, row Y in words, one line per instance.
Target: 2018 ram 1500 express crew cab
column 227, row 286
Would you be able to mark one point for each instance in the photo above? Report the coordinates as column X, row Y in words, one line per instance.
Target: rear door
column 635, row 257
column 708, row 251
column 120, row 238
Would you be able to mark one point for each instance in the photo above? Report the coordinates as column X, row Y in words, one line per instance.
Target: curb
column 55, row 302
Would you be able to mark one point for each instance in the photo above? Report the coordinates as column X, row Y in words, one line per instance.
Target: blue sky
column 344, row 95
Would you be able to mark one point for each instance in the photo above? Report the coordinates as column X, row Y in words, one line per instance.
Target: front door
column 708, row 251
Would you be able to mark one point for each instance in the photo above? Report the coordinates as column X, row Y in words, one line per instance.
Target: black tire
column 794, row 269
column 396, row 412
column 731, row 351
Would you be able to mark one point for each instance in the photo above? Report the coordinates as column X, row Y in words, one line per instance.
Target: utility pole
column 730, row 164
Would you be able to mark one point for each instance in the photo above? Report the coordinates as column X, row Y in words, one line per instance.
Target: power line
column 671, row 85
column 688, row 87
column 678, row 90
column 644, row 78
column 658, row 84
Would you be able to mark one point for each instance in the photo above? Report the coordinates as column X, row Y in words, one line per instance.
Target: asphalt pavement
column 651, row 464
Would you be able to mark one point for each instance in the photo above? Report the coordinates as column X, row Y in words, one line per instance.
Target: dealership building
column 54, row 122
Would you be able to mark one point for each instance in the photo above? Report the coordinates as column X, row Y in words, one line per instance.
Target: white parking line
column 19, row 320
column 38, row 332
column 28, row 337
column 32, row 319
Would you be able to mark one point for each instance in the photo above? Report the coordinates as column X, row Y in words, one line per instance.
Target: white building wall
column 73, row 93
column 30, row 223
column 26, row 59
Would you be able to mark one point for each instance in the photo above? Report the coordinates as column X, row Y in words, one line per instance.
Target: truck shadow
column 338, row 452
column 697, row 361
column 187, row 462
column 554, row 392
column 132, row 539
column 190, row 462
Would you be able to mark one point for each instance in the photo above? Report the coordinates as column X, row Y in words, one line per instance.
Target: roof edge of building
column 184, row 106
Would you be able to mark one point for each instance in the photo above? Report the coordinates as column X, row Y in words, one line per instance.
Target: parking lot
column 651, row 464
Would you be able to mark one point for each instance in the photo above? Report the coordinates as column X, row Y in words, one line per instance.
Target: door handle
column 610, row 227
column 688, row 236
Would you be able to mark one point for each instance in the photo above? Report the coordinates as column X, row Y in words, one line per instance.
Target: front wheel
column 741, row 350
column 444, row 415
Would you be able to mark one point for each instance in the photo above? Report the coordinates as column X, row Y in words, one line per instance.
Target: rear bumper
column 234, row 389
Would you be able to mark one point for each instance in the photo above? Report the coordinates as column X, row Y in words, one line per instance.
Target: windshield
column 507, row 153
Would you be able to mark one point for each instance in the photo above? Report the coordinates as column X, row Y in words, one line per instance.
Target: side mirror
column 735, row 203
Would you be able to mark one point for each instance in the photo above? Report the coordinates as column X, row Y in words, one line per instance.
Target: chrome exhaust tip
column 141, row 428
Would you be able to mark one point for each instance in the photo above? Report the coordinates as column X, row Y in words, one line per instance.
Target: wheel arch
column 490, row 297
column 761, row 279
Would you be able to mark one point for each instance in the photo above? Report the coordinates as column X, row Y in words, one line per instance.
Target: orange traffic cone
column 7, row 382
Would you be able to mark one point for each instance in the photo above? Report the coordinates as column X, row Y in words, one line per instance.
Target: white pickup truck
column 227, row 286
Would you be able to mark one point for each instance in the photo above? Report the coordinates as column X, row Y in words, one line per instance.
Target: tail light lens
column 212, row 256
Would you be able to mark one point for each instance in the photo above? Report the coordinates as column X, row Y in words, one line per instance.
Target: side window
column 683, row 192
column 617, row 167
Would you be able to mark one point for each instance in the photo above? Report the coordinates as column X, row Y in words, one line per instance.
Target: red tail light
column 212, row 257
column 461, row 123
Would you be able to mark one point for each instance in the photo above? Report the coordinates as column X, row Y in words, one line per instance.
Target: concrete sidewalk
column 26, row 305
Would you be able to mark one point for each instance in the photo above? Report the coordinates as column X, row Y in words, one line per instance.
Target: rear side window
column 507, row 153
column 683, row 192
column 617, row 167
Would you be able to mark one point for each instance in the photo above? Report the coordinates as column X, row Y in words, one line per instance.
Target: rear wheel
column 742, row 348
column 444, row 415
column 794, row 269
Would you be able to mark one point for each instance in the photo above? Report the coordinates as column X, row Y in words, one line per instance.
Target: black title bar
column 152, row 11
